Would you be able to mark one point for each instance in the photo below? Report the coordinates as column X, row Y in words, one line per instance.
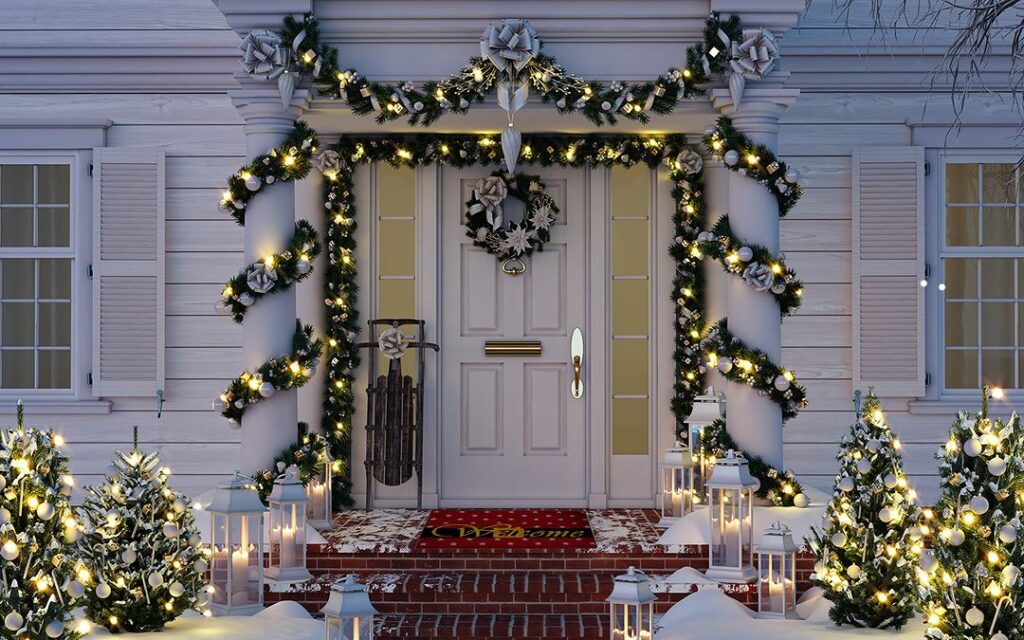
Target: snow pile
column 692, row 529
column 379, row 530
column 282, row 620
column 621, row 531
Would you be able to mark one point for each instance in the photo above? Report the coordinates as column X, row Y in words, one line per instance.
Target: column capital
column 260, row 105
column 247, row 15
column 760, row 108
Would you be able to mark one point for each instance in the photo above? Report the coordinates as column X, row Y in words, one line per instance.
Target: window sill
column 59, row 407
column 951, row 406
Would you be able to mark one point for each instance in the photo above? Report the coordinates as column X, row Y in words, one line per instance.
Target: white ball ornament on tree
column 171, row 530
column 176, row 589
column 974, row 617
column 13, row 621
column 45, row 511
column 103, row 590
column 781, row 383
column 76, row 589
column 863, row 466
column 853, row 571
column 1008, row 534
column 957, row 537
column 267, row 389
column 873, row 445
column 128, row 556
column 887, row 515
column 792, row 175
column 839, row 539
column 997, row 466
column 745, row 254
column 973, row 447
column 10, row 550
column 155, row 580
column 725, row 365
column 252, row 182
column 55, row 629
column 1009, row 575
column 979, row 505
column 731, row 157
column 890, row 481
column 845, row 484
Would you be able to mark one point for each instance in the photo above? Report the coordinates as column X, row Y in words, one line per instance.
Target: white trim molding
column 53, row 134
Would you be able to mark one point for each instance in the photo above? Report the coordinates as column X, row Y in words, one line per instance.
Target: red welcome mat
column 447, row 529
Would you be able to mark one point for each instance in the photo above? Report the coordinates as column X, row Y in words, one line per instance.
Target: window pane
column 997, row 279
column 997, row 324
column 55, row 227
column 17, row 369
column 55, row 369
column 998, row 226
column 997, row 183
column 19, row 279
column 15, row 227
column 18, row 320
column 961, row 369
column 54, row 184
column 54, row 279
column 55, row 324
column 962, row 324
column 962, row 226
column 16, row 184
column 961, row 277
column 997, row 368
column 961, row 183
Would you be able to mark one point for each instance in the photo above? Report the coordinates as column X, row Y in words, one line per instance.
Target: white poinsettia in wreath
column 488, row 226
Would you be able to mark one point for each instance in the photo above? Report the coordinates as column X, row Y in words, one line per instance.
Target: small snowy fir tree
column 39, row 585
column 865, row 556
column 973, row 581
column 142, row 542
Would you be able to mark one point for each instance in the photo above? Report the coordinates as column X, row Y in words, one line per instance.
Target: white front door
column 511, row 432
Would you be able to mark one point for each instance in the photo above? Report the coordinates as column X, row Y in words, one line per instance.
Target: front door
column 511, row 431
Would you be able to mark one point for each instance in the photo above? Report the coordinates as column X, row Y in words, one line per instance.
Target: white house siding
column 159, row 72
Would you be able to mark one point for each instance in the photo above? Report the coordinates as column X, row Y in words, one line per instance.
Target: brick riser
column 498, row 593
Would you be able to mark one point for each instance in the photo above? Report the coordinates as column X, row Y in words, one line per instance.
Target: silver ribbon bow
column 261, row 279
column 490, row 192
column 392, row 343
column 512, row 42
column 328, row 162
column 759, row 276
column 755, row 57
column 689, row 161
column 263, row 55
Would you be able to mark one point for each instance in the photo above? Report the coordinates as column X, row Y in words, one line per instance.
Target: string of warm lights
column 307, row 453
column 868, row 548
column 778, row 487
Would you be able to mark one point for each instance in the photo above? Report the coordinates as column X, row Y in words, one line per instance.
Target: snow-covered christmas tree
column 141, row 540
column 39, row 586
column 867, row 552
column 973, row 581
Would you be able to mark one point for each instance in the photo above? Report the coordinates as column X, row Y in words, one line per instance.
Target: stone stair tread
column 470, row 626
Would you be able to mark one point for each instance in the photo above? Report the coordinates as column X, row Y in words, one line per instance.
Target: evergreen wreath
column 516, row 239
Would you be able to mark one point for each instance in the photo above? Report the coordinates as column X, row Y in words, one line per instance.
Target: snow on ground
column 621, row 531
column 379, row 530
column 710, row 614
column 692, row 529
column 282, row 620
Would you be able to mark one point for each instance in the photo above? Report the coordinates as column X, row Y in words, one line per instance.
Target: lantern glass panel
column 776, row 587
column 725, row 527
column 287, row 535
column 349, row 628
column 632, row 621
column 236, row 567
column 677, row 492
column 316, row 506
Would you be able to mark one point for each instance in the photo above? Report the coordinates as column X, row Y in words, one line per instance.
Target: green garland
column 289, row 161
column 306, row 453
column 279, row 271
column 740, row 363
column 277, row 374
column 427, row 103
column 778, row 487
column 720, row 244
column 739, row 153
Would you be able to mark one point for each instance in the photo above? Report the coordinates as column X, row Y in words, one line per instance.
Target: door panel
column 511, row 434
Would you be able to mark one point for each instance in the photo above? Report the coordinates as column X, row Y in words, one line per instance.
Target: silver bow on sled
column 392, row 343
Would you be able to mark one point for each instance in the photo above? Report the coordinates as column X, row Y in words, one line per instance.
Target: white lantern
column 318, row 494
column 236, row 566
column 348, row 614
column 776, row 568
column 287, row 503
column 677, row 484
column 731, row 513
column 707, row 408
column 631, row 607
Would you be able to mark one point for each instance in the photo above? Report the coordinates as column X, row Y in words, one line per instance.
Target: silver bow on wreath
column 392, row 343
column 759, row 276
column 689, row 161
column 490, row 192
column 261, row 279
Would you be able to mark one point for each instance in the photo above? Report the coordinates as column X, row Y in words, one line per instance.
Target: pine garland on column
column 39, row 585
column 866, row 554
column 142, row 542
column 973, row 583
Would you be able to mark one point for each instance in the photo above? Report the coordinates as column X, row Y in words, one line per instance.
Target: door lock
column 576, row 349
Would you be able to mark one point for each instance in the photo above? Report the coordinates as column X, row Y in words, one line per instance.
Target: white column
column 716, row 279
column 755, row 421
column 268, row 426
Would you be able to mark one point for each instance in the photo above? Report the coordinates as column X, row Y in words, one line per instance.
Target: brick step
column 473, row 627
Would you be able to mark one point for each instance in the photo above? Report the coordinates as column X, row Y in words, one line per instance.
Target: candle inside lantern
column 287, row 547
column 677, row 503
column 239, row 575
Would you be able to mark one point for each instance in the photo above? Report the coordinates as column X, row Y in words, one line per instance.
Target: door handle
column 576, row 350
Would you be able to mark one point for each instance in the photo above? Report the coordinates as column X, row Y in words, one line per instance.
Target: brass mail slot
column 524, row 348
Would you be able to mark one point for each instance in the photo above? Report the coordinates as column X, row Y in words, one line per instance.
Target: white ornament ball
column 890, row 481
column 5, row 516
column 997, row 466
column 252, row 183
column 171, row 530
column 725, row 365
column 839, row 539
column 128, row 556
column 746, row 254
column 200, row 566
column 792, row 175
column 863, row 465
column 915, row 532
column 978, row 504
column 853, row 571
column 176, row 589
column 801, row 500
column 928, row 560
column 731, row 157
column 1008, row 534
column 195, row 541
column 246, row 298
column 45, row 511
column 202, row 599
column 76, row 589
column 972, row 447
column 13, row 621
column 957, row 537
column 55, row 628
column 179, row 506
column 267, row 389
column 1009, row 574
column 303, row 267
column 3, row 482
column 781, row 383
column 873, row 445
column 885, row 514
column 155, row 580
column 998, row 635
column 845, row 484
column 102, row 590
column 974, row 617
column 218, row 405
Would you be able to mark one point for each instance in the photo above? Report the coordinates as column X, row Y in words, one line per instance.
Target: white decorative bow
column 263, row 54
column 490, row 192
column 756, row 55
column 392, row 343
column 513, row 42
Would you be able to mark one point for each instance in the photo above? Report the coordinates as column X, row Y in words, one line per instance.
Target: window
column 982, row 290
column 35, row 276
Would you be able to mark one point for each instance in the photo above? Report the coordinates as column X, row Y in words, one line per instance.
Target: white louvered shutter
column 888, row 264
column 128, row 272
